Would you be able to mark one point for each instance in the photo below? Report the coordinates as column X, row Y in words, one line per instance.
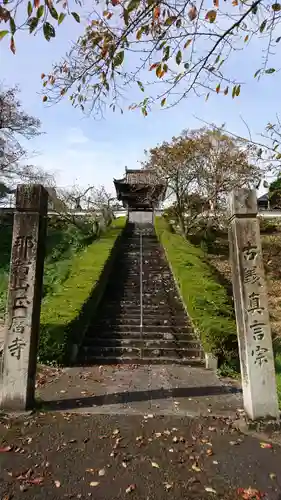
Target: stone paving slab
column 132, row 389
column 52, row 456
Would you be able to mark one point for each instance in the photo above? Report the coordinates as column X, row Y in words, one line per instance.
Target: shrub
column 66, row 313
column 269, row 226
column 206, row 301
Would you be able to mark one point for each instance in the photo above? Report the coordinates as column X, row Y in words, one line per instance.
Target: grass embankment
column 206, row 300
column 62, row 243
column 73, row 264
column 66, row 312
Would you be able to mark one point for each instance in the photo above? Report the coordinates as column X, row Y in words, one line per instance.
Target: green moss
column 206, row 301
column 66, row 311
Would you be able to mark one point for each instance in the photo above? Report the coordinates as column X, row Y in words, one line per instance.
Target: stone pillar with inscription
column 17, row 378
column 251, row 308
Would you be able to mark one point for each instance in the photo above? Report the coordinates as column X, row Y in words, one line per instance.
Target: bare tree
column 16, row 124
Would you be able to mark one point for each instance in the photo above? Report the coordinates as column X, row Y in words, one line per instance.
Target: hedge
column 66, row 313
column 206, row 301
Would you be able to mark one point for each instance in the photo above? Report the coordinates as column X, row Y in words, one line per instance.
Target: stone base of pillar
column 211, row 361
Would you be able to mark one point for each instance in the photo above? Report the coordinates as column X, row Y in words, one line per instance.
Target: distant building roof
column 264, row 197
column 140, row 188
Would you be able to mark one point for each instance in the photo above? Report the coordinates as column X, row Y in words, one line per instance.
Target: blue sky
column 88, row 152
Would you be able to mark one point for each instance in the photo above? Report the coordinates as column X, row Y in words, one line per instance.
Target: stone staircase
column 128, row 329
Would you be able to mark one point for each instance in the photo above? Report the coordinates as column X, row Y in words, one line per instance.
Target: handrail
column 141, row 291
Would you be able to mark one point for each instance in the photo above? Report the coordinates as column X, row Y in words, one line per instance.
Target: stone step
column 139, row 352
column 92, row 336
column 130, row 360
column 148, row 319
column 142, row 343
column 145, row 329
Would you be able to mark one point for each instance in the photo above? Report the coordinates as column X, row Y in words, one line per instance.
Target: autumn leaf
column 117, row 61
column 153, row 66
column 94, row 483
column 35, row 480
column 155, row 465
column 211, row 16
column 276, row 7
column 187, row 43
column 102, row 472
column 133, row 5
column 192, row 13
column 234, row 3
column 249, row 494
column 216, row 3
column 210, row 490
column 159, row 71
column 12, row 45
column 45, row 98
column 76, row 16
column 61, row 17
column 3, row 33
column 36, row 3
column 130, row 488
column 156, row 12
column 266, row 445
column 140, row 86
column 6, row 449
column 179, row 57
column 168, row 486
column 218, row 88
column 195, row 467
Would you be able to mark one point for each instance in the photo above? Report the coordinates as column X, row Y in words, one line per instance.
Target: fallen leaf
column 209, row 452
column 266, row 445
column 233, row 443
column 175, row 439
column 155, row 464
column 158, row 434
column 250, row 494
column 215, row 462
column 130, row 488
column 196, row 468
column 57, row 484
column 115, row 432
column 102, row 472
column 168, row 486
column 94, row 483
column 124, row 464
column 210, row 490
column 272, row 475
column 5, row 449
column 90, row 470
column 35, row 480
column 139, row 438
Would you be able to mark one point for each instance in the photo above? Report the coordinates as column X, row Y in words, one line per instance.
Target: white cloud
column 75, row 136
column 95, row 165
